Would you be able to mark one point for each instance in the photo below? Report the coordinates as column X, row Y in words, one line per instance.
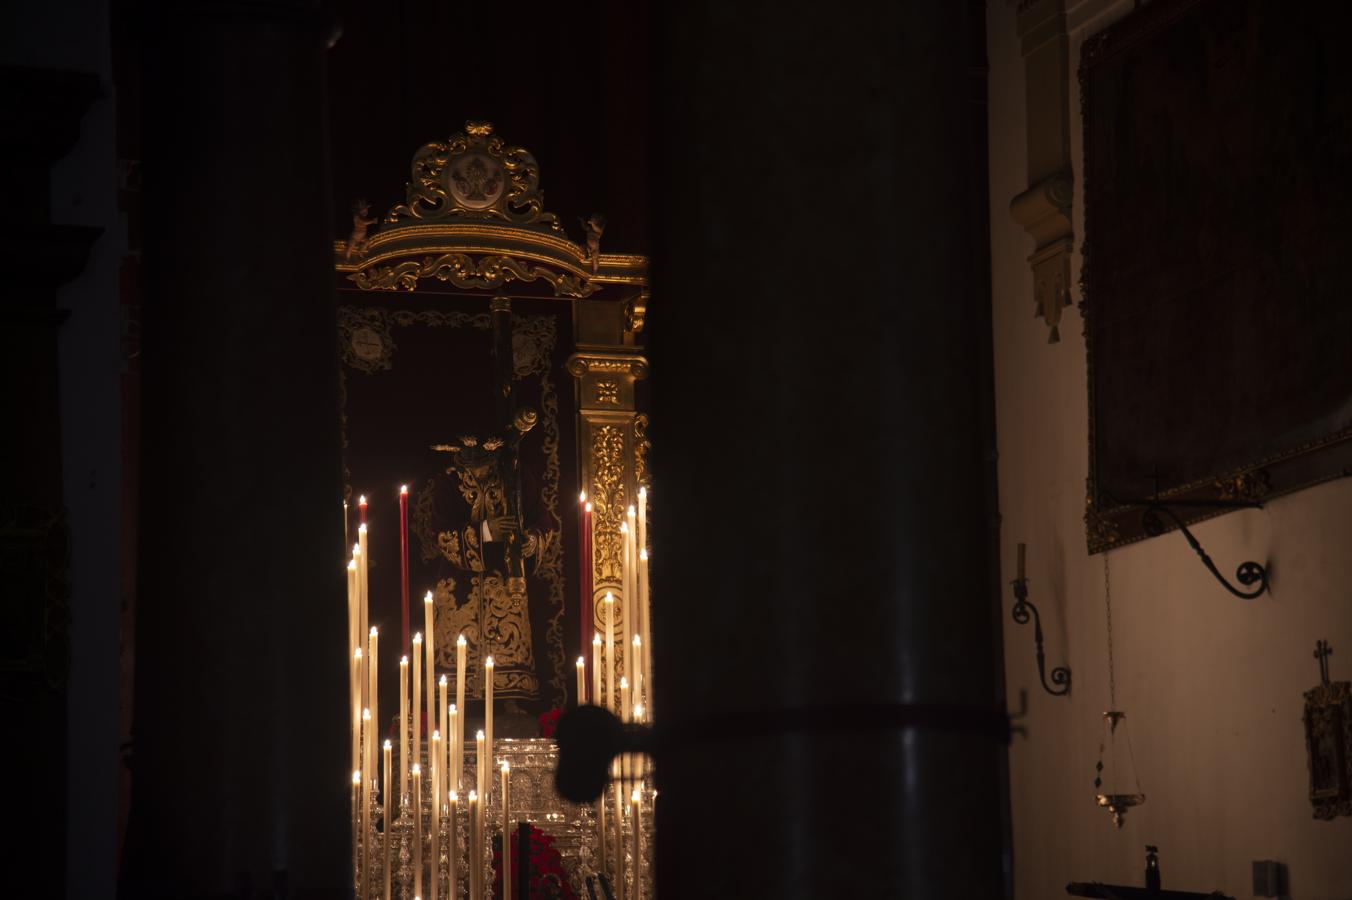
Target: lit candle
column 362, row 556
column 372, row 672
column 433, row 754
column 488, row 711
column 645, row 627
column 596, row 669
column 636, row 822
column 475, row 848
column 453, row 853
column 460, row 704
column 1022, row 551
column 353, row 610
column 443, row 761
column 610, row 652
column 358, row 637
column 357, row 680
column 403, row 726
column 403, row 559
column 416, row 709
column 356, row 825
column 581, row 681
column 506, row 831
column 584, row 591
column 388, row 826
column 625, row 706
column 361, row 509
column 626, row 592
column 417, row 829
column 346, row 539
column 429, row 672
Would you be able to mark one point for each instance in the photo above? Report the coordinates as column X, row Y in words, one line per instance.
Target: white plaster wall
column 1212, row 685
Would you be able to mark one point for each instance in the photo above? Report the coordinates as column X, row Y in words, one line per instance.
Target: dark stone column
column 826, row 607
column 240, row 781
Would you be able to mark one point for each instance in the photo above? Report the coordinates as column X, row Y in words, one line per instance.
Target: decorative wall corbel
column 1044, row 210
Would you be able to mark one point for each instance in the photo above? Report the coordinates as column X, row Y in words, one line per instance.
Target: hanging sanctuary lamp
column 1116, row 766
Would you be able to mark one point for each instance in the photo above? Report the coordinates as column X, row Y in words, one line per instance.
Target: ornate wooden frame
column 1328, row 743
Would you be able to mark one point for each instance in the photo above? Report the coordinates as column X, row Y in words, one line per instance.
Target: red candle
column 403, row 558
column 361, row 509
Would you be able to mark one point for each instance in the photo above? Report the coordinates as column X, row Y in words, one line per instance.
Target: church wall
column 1211, row 684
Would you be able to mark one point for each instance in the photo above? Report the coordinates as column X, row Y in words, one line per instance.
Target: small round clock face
column 475, row 180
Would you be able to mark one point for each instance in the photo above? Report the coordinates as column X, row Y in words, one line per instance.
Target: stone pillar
column 240, row 781
column 827, row 661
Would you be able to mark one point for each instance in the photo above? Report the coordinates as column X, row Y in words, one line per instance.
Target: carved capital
column 580, row 364
column 1044, row 211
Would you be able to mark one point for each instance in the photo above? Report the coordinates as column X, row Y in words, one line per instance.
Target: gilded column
column 609, row 439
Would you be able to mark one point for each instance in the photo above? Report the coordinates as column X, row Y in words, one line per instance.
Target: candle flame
column 638, row 641
column 366, row 714
column 479, row 735
column 643, row 493
column 403, row 489
column 356, row 776
column 624, row 528
column 634, row 796
column 582, row 497
column 443, row 680
column 610, row 598
column 596, row 639
column 588, row 507
column 352, row 565
column 638, row 711
column 403, row 660
column 417, row 637
column 436, row 735
column 356, row 548
column 643, row 554
column 361, row 500
column 581, row 662
column 374, row 631
column 361, row 529
column 473, row 796
column 416, row 770
column 388, row 744
column 452, row 707
column 506, row 766
column 428, row 597
column 624, row 682
column 488, row 663
column 455, row 796
column 356, row 654
column 460, row 640
column 630, row 511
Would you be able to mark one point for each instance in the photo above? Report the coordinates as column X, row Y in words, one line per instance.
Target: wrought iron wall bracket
column 1247, row 574
column 1021, row 615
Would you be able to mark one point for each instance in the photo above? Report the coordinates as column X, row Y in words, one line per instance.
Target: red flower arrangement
column 549, row 721
column 548, row 880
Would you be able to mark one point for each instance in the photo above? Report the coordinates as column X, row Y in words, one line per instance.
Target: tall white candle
column 636, row 823
column 488, row 714
column 356, row 826
column 365, row 799
column 626, row 707
column 480, row 765
column 403, row 726
column 636, row 682
column 353, row 613
column 357, row 680
column 645, row 627
column 456, row 751
column 581, row 681
column 460, row 650
column 596, row 669
column 626, row 592
column 373, row 673
column 612, row 702
column 363, row 589
column 474, row 852
column 415, row 752
column 430, row 668
column 389, row 818
column 417, row 829
column 506, row 831
column 433, row 754
column 443, row 710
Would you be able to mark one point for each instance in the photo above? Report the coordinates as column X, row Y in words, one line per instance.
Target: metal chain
column 1108, row 605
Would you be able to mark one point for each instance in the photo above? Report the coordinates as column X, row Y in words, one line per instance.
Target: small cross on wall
column 1322, row 650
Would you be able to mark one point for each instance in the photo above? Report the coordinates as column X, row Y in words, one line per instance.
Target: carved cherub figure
column 360, row 223
column 593, row 227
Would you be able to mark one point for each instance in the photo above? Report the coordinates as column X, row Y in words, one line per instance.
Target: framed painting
column 1217, row 277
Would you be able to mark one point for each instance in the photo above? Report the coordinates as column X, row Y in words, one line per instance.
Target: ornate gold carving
column 608, row 391
column 364, row 340
column 610, row 499
column 474, row 175
column 641, row 447
column 580, row 364
column 1328, row 748
column 1253, row 485
column 491, row 271
column 634, row 311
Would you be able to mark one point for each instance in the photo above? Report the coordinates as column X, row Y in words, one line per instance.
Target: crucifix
column 1322, row 651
